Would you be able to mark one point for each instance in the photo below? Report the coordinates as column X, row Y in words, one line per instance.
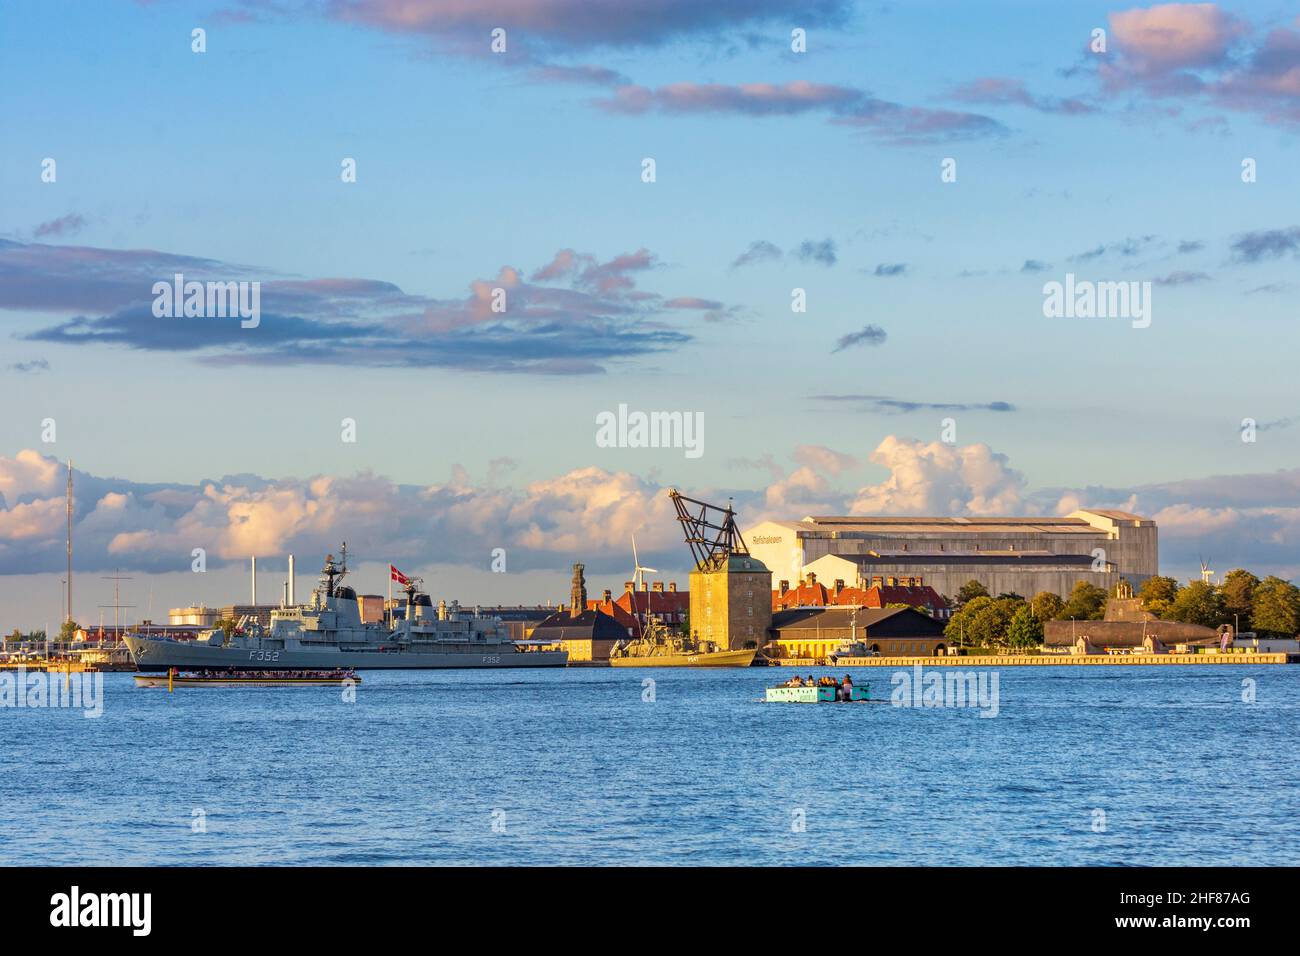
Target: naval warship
column 328, row 633
column 659, row 647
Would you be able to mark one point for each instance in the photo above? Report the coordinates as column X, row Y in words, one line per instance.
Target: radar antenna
column 710, row 533
column 334, row 572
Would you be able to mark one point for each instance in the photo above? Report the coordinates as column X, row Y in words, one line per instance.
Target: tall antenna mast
column 69, row 617
column 117, row 578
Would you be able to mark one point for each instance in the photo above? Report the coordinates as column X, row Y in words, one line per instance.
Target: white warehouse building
column 1006, row 555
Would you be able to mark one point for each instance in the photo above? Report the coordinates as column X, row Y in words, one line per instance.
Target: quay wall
column 1054, row 660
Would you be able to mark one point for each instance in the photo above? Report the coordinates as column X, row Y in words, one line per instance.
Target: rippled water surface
column 574, row 766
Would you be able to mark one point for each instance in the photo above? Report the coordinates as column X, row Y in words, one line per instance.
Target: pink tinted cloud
column 1197, row 50
column 996, row 90
column 842, row 104
column 754, row 99
column 1175, row 36
column 574, row 24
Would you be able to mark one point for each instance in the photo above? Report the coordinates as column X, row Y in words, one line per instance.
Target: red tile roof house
column 670, row 606
column 811, row 593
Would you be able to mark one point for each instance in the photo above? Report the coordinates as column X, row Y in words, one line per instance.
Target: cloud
column 749, row 99
column 940, row 479
column 887, row 269
column 585, row 75
column 759, row 251
column 1181, row 277
column 1190, row 245
column 589, row 513
column 1270, row 287
column 916, row 126
column 1198, row 52
column 572, row 314
column 1247, row 520
column 565, row 25
column 993, row 90
column 824, row 459
column 884, row 403
column 1243, row 520
column 1129, row 247
column 1035, row 265
column 822, row 251
column 1266, row 244
column 843, row 105
column 1156, row 45
column 63, row 226
column 714, row 311
column 154, row 527
column 35, row 365
column 868, row 335
column 1276, row 423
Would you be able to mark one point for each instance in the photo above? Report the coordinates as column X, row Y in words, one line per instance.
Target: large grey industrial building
column 1017, row 555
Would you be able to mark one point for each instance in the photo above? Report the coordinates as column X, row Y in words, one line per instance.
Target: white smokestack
column 254, row 580
column 292, row 600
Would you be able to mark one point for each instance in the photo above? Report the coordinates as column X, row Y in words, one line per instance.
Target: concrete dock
column 1060, row 660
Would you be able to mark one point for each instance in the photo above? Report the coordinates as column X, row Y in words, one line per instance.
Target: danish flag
column 398, row 576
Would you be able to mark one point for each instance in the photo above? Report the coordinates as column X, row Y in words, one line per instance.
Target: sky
column 917, row 173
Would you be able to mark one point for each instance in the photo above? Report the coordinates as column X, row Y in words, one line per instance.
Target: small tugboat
column 218, row 678
column 799, row 691
column 658, row 647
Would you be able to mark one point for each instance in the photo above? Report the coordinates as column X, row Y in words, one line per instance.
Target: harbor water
column 1092, row 766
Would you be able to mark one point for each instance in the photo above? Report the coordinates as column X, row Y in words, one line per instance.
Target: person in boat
column 846, row 689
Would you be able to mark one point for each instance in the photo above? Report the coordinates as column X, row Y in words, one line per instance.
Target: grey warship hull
column 328, row 632
column 154, row 654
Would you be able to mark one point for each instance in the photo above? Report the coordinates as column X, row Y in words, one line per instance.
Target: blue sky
column 470, row 162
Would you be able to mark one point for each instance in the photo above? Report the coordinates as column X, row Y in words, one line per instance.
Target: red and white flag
column 397, row 575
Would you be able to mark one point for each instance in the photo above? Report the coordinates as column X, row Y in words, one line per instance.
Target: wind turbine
column 638, row 577
column 638, row 582
column 1207, row 576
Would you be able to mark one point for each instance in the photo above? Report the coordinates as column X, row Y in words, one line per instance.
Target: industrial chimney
column 254, row 580
column 292, row 600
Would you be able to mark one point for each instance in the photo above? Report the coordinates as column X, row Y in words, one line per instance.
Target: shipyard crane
column 710, row 532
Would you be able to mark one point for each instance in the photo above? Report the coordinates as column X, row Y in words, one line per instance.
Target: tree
column 1026, row 630
column 971, row 590
column 982, row 622
column 1238, row 590
column 1198, row 603
column 1047, row 606
column 226, row 624
column 1275, row 607
column 1086, row 602
column 1157, row 594
column 69, row 630
column 958, row 627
